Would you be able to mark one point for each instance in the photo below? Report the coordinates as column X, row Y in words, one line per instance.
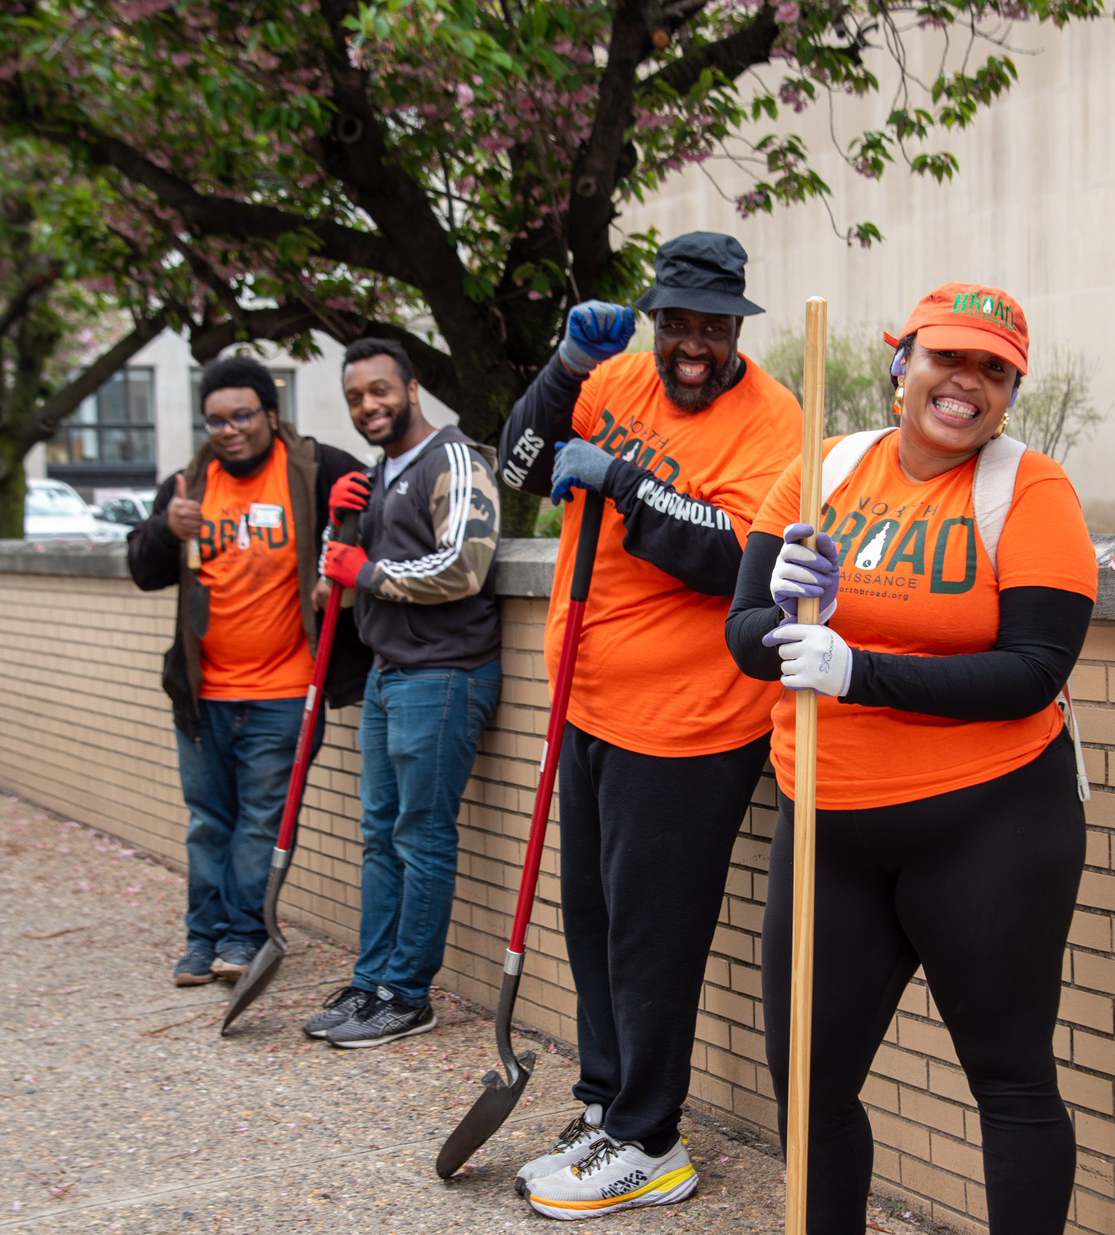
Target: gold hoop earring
column 1002, row 426
column 899, row 395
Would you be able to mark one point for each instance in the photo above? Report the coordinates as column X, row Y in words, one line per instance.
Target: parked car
column 52, row 510
column 127, row 509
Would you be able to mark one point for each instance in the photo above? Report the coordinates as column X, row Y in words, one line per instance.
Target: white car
column 52, row 510
column 127, row 509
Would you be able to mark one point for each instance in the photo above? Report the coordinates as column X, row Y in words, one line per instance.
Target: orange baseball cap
column 968, row 315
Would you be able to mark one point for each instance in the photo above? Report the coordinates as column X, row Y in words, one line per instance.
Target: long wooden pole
column 805, row 792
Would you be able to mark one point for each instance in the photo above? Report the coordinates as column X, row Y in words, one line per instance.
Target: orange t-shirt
column 916, row 580
column 653, row 671
column 256, row 646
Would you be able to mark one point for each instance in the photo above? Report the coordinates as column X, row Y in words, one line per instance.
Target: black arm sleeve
column 753, row 614
column 154, row 552
column 1041, row 632
column 541, row 418
column 690, row 539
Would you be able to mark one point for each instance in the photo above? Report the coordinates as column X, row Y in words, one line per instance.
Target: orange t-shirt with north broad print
column 256, row 645
column 653, row 673
column 916, row 581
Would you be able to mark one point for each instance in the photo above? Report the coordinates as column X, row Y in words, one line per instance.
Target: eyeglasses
column 240, row 419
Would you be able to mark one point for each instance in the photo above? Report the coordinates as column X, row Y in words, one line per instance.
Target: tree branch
column 732, row 56
column 423, row 251
column 37, row 282
column 58, row 406
column 591, row 207
column 216, row 216
column 275, row 324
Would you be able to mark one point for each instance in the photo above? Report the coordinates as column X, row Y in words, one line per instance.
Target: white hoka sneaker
column 614, row 1175
column 573, row 1143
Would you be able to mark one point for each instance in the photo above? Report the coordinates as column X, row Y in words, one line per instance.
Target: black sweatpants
column 645, row 847
column 978, row 886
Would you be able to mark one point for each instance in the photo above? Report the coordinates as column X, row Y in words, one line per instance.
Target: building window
column 284, row 384
column 114, row 428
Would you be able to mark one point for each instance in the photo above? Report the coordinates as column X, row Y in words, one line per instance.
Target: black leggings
column 978, row 886
column 645, row 848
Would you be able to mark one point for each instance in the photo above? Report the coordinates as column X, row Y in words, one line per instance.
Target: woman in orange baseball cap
column 956, row 580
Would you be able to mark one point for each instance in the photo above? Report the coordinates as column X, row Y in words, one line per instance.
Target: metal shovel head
column 255, row 979
column 497, row 1100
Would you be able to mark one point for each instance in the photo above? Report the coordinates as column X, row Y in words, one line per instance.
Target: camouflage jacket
column 426, row 597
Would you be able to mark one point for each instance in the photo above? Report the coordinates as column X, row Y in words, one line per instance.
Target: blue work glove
column 595, row 330
column 813, row 658
column 576, row 463
column 801, row 572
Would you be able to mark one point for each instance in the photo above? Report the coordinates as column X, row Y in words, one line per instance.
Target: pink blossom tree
column 61, row 333
column 449, row 172
column 85, row 283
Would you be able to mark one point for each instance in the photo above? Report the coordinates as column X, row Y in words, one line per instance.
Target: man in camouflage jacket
column 423, row 571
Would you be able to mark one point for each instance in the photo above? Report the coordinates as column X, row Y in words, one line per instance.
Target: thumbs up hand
column 183, row 516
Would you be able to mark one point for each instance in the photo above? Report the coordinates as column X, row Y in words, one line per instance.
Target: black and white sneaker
column 338, row 1008
column 382, row 1020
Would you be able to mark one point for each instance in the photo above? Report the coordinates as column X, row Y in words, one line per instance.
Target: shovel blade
column 255, row 979
column 497, row 1100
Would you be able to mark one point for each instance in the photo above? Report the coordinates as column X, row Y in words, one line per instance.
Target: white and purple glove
column 799, row 572
column 578, row 465
column 813, row 658
column 595, row 330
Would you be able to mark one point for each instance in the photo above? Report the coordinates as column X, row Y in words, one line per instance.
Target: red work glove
column 351, row 492
column 342, row 563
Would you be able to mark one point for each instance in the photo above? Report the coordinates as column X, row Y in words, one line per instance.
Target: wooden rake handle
column 805, row 791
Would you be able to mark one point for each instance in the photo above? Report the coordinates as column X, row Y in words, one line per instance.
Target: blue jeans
column 235, row 780
column 418, row 738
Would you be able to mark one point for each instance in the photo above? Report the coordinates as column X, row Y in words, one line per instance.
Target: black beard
column 246, row 467
column 400, row 426
column 696, row 399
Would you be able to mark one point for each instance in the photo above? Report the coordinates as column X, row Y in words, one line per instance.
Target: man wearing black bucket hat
column 664, row 742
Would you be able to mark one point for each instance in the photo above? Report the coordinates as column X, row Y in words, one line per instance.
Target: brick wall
column 85, row 731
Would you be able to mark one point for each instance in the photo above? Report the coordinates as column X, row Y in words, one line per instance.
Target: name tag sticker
column 261, row 514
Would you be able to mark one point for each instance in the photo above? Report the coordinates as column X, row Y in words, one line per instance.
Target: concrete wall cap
column 526, row 567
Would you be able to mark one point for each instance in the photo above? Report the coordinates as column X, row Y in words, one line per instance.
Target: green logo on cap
column 986, row 308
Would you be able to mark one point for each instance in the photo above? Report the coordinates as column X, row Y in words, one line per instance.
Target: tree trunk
column 13, row 488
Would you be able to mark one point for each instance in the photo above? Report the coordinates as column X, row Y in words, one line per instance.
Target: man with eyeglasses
column 239, row 531
column 665, row 741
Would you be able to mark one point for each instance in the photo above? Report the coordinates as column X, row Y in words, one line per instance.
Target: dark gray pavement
column 122, row 1109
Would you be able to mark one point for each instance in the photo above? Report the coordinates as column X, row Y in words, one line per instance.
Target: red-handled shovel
column 257, row 977
column 498, row 1098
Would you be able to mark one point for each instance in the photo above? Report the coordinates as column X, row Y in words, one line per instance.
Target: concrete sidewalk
column 124, row 1110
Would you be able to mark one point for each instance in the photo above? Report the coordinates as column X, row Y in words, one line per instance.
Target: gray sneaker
column 381, row 1020
column 338, row 1008
column 232, row 962
column 193, row 969
column 572, row 1145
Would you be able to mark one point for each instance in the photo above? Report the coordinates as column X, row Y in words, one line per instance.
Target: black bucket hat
column 701, row 271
